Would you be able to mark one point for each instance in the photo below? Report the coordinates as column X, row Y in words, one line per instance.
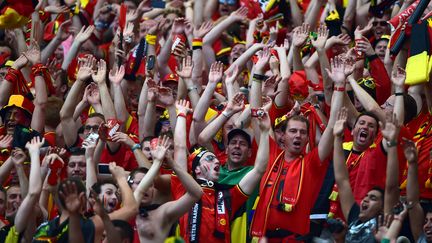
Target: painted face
column 109, row 197
column 77, row 167
column 13, row 200
column 238, row 151
column 364, row 132
column 296, row 137
column 15, row 116
column 427, row 227
column 371, row 205
column 208, row 167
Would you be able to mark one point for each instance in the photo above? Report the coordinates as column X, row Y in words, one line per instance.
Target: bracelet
column 38, row 69
column 151, row 39
column 181, row 114
column 341, row 89
column 192, row 88
column 136, row 146
column 398, row 93
column 226, row 114
column 392, row 143
column 259, row 77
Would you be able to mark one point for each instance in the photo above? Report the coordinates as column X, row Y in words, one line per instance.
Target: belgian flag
column 14, row 14
column 418, row 63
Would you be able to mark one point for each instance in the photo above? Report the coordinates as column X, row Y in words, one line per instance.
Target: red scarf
column 287, row 195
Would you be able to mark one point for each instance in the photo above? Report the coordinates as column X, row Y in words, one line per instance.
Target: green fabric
column 234, row 177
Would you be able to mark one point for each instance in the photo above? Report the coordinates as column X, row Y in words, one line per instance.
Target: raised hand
column 240, row 14
column 359, row 31
column 99, row 75
column 6, row 141
column 216, row 71
column 85, row 68
column 35, row 144
column 363, row 45
column 183, row 106
column 131, row 16
column 84, row 34
column 274, row 31
column 410, row 151
column 383, row 226
column 120, row 137
column 63, row 32
column 116, row 171
column 203, row 29
column 264, row 121
column 117, row 76
column 285, row 46
column 231, row 75
column 390, row 130
column 93, row 96
column 152, row 94
column 342, row 39
column 56, row 9
column 337, row 73
column 300, row 35
column 20, row 62
column 155, row 29
column 188, row 30
column 165, row 96
column 398, row 77
column 178, row 26
column 162, row 146
column 73, row 200
column 263, row 59
column 339, row 125
column 185, row 71
column 128, row 33
column 320, row 41
column 236, row 104
column 270, row 86
column 349, row 61
column 33, row 53
column 18, row 156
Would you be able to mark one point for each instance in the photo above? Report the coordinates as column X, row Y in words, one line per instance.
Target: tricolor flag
column 14, row 14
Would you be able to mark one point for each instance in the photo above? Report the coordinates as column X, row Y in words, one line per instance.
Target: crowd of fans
column 215, row 121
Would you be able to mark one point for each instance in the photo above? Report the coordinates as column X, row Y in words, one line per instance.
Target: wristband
column 398, row 93
column 392, row 143
column 38, row 69
column 151, row 39
column 136, row 146
column 341, row 89
column 181, row 114
column 226, row 114
column 197, row 42
column 196, row 48
column 259, row 77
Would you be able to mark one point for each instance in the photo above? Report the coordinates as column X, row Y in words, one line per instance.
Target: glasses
column 210, row 158
column 380, row 23
column 228, row 2
column 368, row 82
column 94, row 128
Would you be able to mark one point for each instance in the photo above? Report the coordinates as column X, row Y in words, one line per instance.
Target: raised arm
column 82, row 36
column 116, row 77
column 91, row 175
column 390, row 132
column 416, row 213
column 300, row 35
column 180, row 146
column 66, row 113
column 250, row 181
column 142, row 160
column 62, row 35
column 27, row 206
column 129, row 208
column 341, row 172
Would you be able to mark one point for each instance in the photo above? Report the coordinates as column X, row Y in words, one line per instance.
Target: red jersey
column 209, row 219
column 288, row 191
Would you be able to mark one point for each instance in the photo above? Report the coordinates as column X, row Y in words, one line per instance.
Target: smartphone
column 176, row 42
column 157, row 4
column 103, row 169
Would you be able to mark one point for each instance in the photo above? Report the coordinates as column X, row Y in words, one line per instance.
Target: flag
column 14, row 14
column 417, row 67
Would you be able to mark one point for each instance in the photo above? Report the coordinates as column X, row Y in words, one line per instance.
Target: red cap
column 298, row 85
column 171, row 77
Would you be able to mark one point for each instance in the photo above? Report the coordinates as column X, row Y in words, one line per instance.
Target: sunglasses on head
column 368, row 82
column 380, row 23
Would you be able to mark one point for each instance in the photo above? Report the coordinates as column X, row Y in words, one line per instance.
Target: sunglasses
column 228, row 2
column 380, row 23
column 210, row 158
column 368, row 82
column 94, row 128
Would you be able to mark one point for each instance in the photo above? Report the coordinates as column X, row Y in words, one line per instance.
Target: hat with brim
column 240, row 132
column 18, row 101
